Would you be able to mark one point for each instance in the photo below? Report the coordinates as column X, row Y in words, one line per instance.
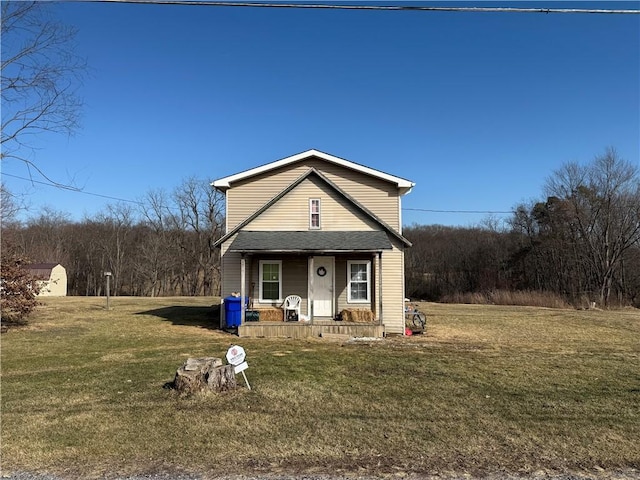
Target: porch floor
column 307, row 329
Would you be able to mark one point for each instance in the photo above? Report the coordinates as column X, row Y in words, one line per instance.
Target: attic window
column 314, row 213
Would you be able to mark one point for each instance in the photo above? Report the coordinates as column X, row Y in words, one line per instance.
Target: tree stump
column 208, row 373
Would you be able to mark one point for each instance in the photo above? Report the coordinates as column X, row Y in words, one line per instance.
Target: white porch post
column 243, row 292
column 310, row 293
column 380, row 287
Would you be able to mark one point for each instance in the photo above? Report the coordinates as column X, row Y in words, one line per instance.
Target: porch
column 330, row 272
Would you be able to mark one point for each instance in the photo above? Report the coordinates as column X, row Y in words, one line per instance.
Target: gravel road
column 630, row 474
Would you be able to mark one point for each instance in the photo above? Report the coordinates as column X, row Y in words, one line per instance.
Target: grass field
column 487, row 390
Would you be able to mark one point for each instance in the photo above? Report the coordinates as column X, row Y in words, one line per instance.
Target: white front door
column 322, row 290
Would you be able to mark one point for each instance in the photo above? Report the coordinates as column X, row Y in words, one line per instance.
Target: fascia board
column 225, row 183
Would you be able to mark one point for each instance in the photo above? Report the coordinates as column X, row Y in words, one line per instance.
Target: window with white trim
column 314, row 213
column 270, row 280
column 358, row 281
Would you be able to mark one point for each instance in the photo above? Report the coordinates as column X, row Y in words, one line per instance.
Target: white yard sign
column 235, row 357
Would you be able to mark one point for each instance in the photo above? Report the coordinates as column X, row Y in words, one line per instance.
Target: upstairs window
column 314, row 213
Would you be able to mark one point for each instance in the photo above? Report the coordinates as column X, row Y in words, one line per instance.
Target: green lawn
column 486, row 390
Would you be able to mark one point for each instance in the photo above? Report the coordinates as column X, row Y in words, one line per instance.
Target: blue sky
column 478, row 109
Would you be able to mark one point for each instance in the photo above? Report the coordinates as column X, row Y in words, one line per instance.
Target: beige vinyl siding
column 379, row 196
column 230, row 262
column 294, row 278
column 393, row 289
column 292, row 211
column 341, row 283
column 230, row 274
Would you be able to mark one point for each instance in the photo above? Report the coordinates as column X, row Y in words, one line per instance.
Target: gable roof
column 225, row 183
column 345, row 195
column 41, row 266
column 41, row 270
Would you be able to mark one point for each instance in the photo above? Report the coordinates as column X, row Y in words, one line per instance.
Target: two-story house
column 322, row 228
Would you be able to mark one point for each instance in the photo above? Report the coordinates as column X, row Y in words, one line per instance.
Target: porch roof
column 310, row 241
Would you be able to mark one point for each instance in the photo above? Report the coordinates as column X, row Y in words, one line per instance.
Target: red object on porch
column 408, row 332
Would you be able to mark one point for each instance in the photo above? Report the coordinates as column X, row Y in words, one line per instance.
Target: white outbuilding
column 52, row 278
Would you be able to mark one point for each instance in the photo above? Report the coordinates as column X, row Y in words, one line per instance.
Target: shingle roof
column 40, row 270
column 41, row 266
column 310, row 241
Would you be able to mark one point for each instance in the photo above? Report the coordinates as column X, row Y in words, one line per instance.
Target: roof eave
column 308, row 251
column 406, row 189
column 224, row 183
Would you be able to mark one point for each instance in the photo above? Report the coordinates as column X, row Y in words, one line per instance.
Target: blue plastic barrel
column 233, row 311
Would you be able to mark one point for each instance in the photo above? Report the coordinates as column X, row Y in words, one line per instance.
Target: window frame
column 261, row 298
column 367, row 282
column 312, row 213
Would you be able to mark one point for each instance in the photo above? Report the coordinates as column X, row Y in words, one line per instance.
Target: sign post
column 236, row 357
column 108, row 276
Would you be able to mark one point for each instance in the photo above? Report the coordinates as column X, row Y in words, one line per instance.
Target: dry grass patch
column 487, row 389
column 511, row 297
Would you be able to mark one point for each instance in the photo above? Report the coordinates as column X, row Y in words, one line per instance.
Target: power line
column 206, row 3
column 458, row 211
column 77, row 190
column 71, row 189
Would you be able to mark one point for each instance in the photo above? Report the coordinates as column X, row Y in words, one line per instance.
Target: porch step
column 305, row 330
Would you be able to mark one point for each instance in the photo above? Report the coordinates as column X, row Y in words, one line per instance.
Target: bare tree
column 89, row 258
column 45, row 238
column 606, row 213
column 118, row 221
column 198, row 217
column 153, row 256
column 590, row 221
column 41, row 74
column 10, row 205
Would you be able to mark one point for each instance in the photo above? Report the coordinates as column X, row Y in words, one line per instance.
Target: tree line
column 161, row 246
column 581, row 243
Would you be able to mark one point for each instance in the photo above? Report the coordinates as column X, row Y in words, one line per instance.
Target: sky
column 478, row 109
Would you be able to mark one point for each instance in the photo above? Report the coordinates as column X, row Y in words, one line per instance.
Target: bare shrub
column 466, row 297
column 18, row 290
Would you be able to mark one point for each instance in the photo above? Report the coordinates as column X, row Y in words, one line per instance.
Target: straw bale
column 357, row 315
column 271, row 314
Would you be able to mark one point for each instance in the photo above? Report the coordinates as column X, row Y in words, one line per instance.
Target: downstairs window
column 358, row 281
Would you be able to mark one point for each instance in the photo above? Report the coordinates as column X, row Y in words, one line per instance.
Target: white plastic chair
column 292, row 308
